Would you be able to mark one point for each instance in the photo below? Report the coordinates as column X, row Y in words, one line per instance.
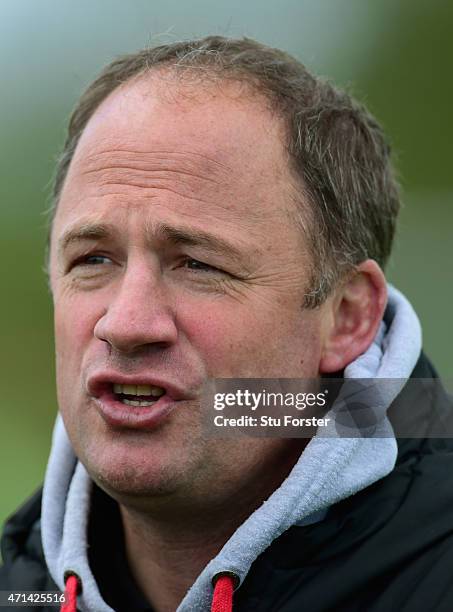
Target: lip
column 120, row 416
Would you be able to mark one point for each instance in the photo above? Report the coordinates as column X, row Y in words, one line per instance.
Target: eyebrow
column 195, row 237
column 84, row 232
column 162, row 231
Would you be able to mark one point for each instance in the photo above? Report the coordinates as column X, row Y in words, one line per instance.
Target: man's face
column 175, row 258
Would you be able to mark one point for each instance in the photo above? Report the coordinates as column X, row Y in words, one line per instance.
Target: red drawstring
column 70, row 594
column 222, row 600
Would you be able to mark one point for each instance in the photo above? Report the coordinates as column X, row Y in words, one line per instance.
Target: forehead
column 204, row 114
column 209, row 149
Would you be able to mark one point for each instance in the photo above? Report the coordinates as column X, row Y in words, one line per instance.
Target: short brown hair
column 337, row 149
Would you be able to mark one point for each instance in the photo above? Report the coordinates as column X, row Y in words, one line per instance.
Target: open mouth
column 137, row 395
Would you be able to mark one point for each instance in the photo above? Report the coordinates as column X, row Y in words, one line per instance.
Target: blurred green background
column 395, row 55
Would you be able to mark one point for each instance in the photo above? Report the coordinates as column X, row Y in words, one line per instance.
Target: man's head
column 194, row 237
column 346, row 192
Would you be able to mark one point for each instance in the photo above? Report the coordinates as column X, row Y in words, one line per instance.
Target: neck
column 167, row 549
column 166, row 559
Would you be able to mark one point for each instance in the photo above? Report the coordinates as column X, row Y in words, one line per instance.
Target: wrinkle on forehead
column 138, row 174
column 186, row 172
column 184, row 162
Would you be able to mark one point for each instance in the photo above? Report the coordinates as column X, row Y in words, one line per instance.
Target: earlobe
column 357, row 308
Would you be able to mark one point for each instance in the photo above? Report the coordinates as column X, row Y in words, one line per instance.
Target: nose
column 138, row 313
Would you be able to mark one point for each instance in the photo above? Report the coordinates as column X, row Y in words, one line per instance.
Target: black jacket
column 387, row 548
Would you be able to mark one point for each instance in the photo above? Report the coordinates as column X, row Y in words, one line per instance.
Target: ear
column 357, row 308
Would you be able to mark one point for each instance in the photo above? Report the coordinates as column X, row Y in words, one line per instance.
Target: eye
column 94, row 260
column 199, row 266
column 89, row 263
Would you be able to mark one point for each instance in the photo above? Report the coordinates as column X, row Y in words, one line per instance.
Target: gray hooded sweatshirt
column 331, row 468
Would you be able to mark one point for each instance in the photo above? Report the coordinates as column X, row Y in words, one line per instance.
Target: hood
column 329, row 470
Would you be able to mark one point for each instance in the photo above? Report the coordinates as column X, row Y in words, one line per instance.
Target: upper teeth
column 138, row 390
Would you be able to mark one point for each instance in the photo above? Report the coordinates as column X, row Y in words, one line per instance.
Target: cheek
column 74, row 325
column 237, row 340
column 209, row 330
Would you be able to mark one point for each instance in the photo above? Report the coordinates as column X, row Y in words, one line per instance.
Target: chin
column 131, row 466
column 132, row 482
column 145, row 472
